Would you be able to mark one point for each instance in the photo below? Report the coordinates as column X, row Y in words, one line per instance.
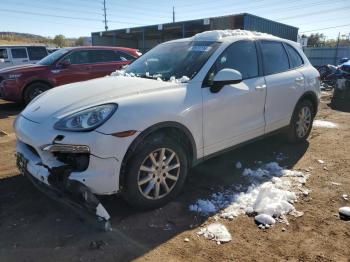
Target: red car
column 67, row 65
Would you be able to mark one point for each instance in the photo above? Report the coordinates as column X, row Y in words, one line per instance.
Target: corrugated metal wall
column 324, row 55
column 259, row 24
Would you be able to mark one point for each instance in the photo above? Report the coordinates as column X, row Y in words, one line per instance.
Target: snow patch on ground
column 216, row 232
column 325, row 124
column 272, row 192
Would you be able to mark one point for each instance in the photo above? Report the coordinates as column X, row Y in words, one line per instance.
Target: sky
column 74, row 18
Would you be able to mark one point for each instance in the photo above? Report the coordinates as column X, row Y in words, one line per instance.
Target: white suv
column 139, row 131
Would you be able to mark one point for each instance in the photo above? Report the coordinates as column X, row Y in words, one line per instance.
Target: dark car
column 67, row 65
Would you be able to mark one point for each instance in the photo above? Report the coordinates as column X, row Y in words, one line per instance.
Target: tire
column 301, row 123
column 141, row 168
column 34, row 90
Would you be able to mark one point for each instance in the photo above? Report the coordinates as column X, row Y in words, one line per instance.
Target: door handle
column 299, row 79
column 260, row 88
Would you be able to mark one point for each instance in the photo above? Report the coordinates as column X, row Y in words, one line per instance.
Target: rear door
column 19, row 55
column 4, row 58
column 284, row 84
column 107, row 61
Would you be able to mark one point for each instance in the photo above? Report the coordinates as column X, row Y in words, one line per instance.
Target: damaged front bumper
column 56, row 184
column 74, row 168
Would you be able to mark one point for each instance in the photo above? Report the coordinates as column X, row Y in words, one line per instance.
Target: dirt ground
column 35, row 228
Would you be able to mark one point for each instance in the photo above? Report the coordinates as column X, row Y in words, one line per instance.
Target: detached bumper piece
column 70, row 192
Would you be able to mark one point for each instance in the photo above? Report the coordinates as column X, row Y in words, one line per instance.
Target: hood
column 22, row 68
column 63, row 100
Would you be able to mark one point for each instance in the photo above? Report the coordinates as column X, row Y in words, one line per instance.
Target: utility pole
column 336, row 50
column 173, row 14
column 105, row 14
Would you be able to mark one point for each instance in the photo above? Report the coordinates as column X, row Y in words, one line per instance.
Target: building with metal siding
column 146, row 37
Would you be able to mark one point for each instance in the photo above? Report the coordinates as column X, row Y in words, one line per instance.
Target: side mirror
column 65, row 63
column 2, row 60
column 224, row 77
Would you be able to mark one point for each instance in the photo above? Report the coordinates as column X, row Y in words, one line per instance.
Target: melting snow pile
column 325, row 124
column 271, row 193
column 216, row 232
column 172, row 79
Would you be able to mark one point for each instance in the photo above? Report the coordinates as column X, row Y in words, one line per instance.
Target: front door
column 236, row 113
column 79, row 68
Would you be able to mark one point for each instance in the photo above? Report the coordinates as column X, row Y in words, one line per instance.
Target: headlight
column 87, row 119
column 13, row 76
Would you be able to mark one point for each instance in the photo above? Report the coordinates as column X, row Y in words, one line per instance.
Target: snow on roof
column 217, row 35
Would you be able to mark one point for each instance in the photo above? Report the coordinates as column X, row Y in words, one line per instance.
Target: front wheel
column 156, row 173
column 301, row 123
column 33, row 91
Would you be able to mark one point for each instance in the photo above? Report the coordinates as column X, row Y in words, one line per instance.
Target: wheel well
column 312, row 98
column 173, row 130
column 35, row 82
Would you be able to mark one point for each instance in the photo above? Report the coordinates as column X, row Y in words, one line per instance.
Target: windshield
column 175, row 59
column 52, row 58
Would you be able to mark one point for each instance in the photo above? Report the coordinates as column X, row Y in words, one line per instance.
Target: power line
column 331, row 27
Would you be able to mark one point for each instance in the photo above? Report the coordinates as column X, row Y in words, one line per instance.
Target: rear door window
column 294, row 57
column 274, row 57
column 103, row 56
column 36, row 52
column 124, row 56
column 19, row 53
column 3, row 53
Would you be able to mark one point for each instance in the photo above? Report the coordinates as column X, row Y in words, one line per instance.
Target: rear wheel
column 34, row 90
column 301, row 124
column 156, row 173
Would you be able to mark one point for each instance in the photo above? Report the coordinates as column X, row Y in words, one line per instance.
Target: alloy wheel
column 303, row 123
column 158, row 173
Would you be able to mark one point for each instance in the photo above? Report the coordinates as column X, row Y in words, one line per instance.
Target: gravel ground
column 35, row 228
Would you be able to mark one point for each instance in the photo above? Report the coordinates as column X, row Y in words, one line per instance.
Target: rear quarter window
column 36, row 53
column 274, row 57
column 295, row 58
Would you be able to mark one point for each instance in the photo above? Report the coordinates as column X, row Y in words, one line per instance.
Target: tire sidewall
column 131, row 191
column 294, row 136
column 31, row 88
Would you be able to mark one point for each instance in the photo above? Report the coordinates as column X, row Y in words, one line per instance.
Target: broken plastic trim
column 62, row 148
column 74, row 194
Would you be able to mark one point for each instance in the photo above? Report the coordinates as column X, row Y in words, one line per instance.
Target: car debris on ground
column 217, row 232
column 344, row 213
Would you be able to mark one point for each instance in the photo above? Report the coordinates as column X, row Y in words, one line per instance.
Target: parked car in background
column 20, row 55
column 67, row 65
column 183, row 101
